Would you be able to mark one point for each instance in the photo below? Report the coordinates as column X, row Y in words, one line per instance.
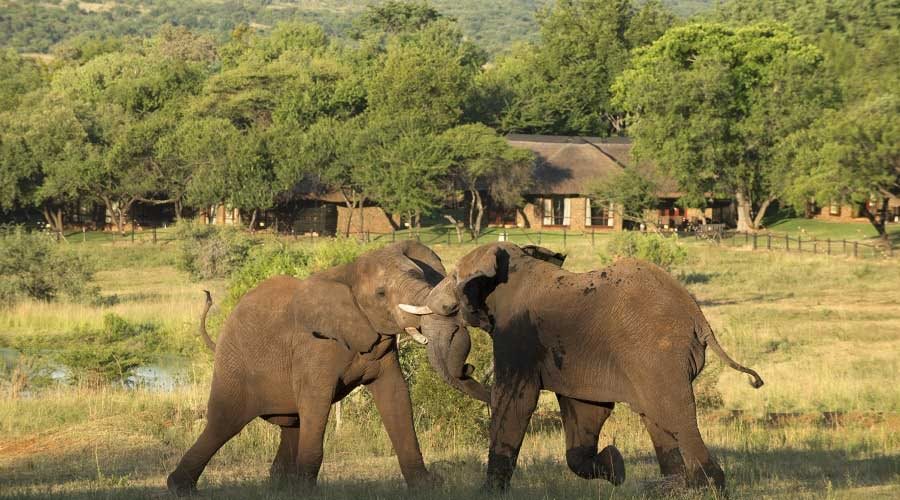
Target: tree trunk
column 456, row 225
column 179, row 208
column 879, row 219
column 745, row 221
column 350, row 205
column 253, row 220
column 479, row 211
column 757, row 221
column 59, row 220
column 362, row 215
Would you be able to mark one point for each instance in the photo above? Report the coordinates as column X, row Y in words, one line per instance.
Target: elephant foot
column 426, row 481
column 181, row 486
column 612, row 465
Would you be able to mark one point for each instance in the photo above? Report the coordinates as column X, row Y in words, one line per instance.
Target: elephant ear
column 545, row 254
column 476, row 278
column 339, row 317
column 426, row 259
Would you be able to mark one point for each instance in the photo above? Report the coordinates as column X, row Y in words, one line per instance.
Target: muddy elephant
column 291, row 348
column 627, row 333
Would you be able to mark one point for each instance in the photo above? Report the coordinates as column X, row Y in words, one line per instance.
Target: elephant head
column 458, row 302
column 381, row 280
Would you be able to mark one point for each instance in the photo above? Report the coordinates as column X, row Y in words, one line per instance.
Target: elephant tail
column 708, row 337
column 206, row 338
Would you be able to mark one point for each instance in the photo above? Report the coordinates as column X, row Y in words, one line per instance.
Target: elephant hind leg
column 583, row 422
column 183, row 480
column 666, row 447
column 285, row 463
column 675, row 414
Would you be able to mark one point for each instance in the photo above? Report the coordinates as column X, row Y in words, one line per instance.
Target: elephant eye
column 380, row 291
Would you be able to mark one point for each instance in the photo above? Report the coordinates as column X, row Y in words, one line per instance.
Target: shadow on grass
column 75, row 476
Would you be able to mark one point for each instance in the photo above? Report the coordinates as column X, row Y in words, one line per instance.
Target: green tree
column 484, row 161
column 427, row 77
column 712, row 105
column 562, row 85
column 852, row 154
column 631, row 193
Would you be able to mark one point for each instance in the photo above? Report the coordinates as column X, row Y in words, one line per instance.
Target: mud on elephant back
column 626, row 333
column 291, row 348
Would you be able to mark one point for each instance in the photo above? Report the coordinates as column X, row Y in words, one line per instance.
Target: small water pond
column 167, row 373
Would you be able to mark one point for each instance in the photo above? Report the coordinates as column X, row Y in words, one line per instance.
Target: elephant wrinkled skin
column 627, row 333
column 291, row 348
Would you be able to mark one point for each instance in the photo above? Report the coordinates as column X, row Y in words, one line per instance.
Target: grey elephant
column 627, row 333
column 291, row 348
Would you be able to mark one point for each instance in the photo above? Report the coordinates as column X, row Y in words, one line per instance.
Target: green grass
column 823, row 331
column 821, row 229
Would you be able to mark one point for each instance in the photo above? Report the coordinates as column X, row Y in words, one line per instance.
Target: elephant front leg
column 391, row 396
column 314, row 408
column 583, row 422
column 512, row 403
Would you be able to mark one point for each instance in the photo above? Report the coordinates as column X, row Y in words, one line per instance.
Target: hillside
column 30, row 26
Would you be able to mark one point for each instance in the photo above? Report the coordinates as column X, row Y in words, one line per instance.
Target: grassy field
column 824, row 332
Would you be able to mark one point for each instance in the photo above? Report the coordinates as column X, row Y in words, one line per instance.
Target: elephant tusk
column 416, row 335
column 417, row 310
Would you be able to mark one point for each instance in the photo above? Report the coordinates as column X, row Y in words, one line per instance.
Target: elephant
column 626, row 333
column 291, row 348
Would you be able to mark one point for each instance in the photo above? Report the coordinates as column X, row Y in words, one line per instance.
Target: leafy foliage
column 712, row 105
column 208, row 251
column 33, row 266
column 89, row 356
column 663, row 251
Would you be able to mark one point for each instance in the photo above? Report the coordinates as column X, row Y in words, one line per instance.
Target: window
column 556, row 211
column 597, row 213
column 834, row 208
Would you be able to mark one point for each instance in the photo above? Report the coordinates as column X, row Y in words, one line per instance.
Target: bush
column 210, row 251
column 297, row 261
column 93, row 356
column 34, row 266
column 660, row 250
column 442, row 409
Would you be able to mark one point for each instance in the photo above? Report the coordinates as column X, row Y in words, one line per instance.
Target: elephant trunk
column 448, row 347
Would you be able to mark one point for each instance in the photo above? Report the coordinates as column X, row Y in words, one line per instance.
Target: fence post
column 787, row 243
column 83, row 234
column 844, row 251
column 800, row 243
column 539, row 237
column 746, row 237
column 815, row 245
column 769, row 241
column 754, row 241
column 154, row 235
column 828, row 248
column 592, row 237
column 476, row 237
column 855, row 248
column 564, row 237
column 58, row 235
column 132, row 229
column 890, row 249
column 393, row 235
column 448, row 238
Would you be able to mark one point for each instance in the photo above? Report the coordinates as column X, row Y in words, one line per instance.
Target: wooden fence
column 813, row 245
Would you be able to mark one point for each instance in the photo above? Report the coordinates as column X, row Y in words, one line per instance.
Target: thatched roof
column 570, row 165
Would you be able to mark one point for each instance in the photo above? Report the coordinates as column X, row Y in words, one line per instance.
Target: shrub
column 660, row 250
column 441, row 408
column 210, row 251
column 34, row 266
column 93, row 356
column 297, row 261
